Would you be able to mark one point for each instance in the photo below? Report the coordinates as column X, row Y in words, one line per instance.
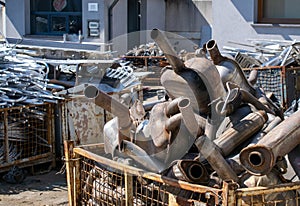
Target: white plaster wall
column 234, row 20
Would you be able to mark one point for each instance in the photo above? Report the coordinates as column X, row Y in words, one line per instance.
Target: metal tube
column 232, row 71
column 239, row 133
column 259, row 159
column 211, row 153
column 172, row 108
column 142, row 157
column 174, row 122
column 190, row 171
column 109, row 104
column 113, row 106
column 249, row 98
column 214, row 52
column 252, row 79
column 189, row 118
column 168, row 51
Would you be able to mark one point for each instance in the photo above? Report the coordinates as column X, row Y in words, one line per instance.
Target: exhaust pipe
column 113, row 106
column 229, row 69
column 211, row 153
column 168, row 51
column 235, row 96
column 190, row 171
column 189, row 118
column 236, row 135
column 259, row 159
column 194, row 123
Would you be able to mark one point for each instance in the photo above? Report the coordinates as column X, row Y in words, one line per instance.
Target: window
column 56, row 17
column 279, row 11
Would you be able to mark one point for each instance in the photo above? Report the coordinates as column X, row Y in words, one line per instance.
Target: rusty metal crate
column 26, row 136
column 279, row 80
column 94, row 179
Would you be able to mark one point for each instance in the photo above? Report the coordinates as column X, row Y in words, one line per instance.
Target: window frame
column 262, row 19
column 50, row 13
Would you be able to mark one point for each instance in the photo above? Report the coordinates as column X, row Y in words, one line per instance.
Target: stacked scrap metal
column 149, row 51
column 266, row 53
column 215, row 126
column 24, row 81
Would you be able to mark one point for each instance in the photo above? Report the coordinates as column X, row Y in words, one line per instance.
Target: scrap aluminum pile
column 24, row 81
column 214, row 126
column 118, row 77
column 266, row 53
column 144, row 50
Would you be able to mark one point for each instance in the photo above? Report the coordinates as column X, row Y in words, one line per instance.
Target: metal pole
column 69, row 145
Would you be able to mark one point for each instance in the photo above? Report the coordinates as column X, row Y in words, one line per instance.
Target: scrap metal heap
column 215, row 126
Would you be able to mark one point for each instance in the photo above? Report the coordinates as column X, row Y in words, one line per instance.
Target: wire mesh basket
column 95, row 179
column 278, row 80
column 25, row 135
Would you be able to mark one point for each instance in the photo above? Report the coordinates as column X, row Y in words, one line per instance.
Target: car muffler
column 113, row 106
column 229, row 69
column 259, row 159
column 210, row 151
column 196, row 79
column 236, row 135
column 190, row 171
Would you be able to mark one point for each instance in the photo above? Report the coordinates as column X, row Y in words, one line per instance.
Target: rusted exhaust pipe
column 229, row 69
column 193, row 122
column 113, row 106
column 259, row 159
column 175, row 121
column 242, row 131
column 190, row 171
column 211, row 153
column 168, row 51
column 214, row 52
column 173, row 108
column 235, row 96
column 189, row 118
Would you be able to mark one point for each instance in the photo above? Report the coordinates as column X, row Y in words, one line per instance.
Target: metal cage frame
column 229, row 194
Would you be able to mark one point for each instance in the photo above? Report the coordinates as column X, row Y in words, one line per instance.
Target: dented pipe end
column 91, row 91
column 257, row 160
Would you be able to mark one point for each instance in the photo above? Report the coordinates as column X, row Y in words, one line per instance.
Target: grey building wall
column 155, row 13
column 119, row 27
column 2, row 20
column 119, row 19
column 15, row 18
column 98, row 16
column 190, row 18
column 234, row 20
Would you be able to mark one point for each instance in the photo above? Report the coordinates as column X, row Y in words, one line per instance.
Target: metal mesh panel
column 103, row 185
column 24, row 132
column 281, row 195
column 106, row 182
column 270, row 81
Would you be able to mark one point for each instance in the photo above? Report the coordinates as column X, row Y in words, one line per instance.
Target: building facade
column 104, row 20
column 240, row 21
column 197, row 20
